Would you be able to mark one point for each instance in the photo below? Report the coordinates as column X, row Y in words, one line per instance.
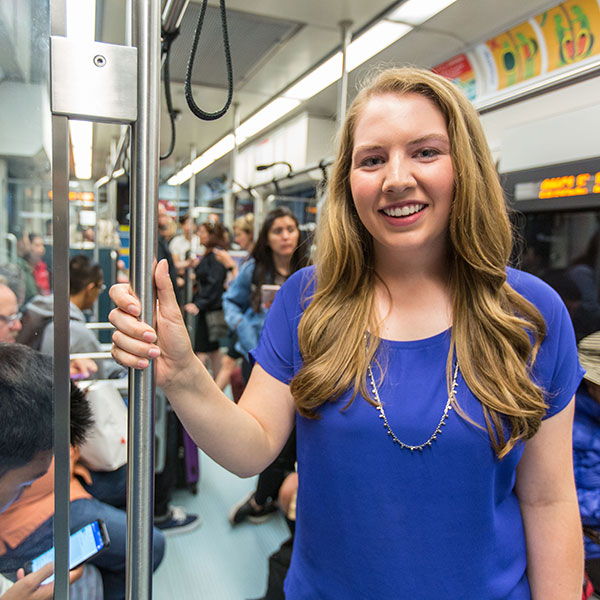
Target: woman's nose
column 399, row 175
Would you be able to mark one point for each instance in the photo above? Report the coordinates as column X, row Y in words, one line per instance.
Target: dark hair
column 264, row 269
column 26, row 407
column 217, row 234
column 82, row 272
column 184, row 218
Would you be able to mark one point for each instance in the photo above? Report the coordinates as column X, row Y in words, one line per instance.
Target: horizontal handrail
column 100, row 325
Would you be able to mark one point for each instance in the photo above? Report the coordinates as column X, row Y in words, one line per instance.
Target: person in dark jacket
column 586, row 452
column 210, row 285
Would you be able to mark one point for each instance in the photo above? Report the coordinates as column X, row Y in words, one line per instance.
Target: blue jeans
column 111, row 562
column 109, row 486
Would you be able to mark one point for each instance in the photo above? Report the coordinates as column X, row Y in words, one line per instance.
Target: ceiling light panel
column 416, row 12
column 373, row 41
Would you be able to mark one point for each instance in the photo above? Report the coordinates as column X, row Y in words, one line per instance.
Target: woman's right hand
column 136, row 342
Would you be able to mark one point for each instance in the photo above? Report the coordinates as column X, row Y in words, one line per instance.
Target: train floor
column 217, row 561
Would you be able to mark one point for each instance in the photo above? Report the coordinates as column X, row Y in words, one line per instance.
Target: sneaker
column 177, row 521
column 244, row 510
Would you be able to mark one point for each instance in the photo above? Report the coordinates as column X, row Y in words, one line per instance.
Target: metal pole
column 259, row 212
column 228, row 201
column 60, row 285
column 145, row 158
column 345, row 28
column 111, row 189
column 173, row 14
column 189, row 320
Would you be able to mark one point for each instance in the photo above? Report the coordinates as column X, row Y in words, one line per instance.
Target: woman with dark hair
column 276, row 255
column 210, row 285
column 430, row 384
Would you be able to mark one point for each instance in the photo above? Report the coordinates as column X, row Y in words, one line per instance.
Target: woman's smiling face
column 402, row 177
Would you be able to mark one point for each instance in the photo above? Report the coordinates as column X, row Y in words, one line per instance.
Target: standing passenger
column 430, row 384
column 210, row 285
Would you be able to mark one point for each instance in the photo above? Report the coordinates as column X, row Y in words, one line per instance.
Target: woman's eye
column 371, row 161
column 428, row 153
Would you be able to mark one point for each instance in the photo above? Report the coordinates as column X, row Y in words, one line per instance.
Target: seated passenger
column 10, row 318
column 26, row 453
column 86, row 282
column 26, row 527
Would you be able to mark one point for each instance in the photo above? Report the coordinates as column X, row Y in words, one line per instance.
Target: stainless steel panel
column 93, row 81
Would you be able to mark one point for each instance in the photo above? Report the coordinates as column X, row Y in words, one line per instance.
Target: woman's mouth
column 403, row 211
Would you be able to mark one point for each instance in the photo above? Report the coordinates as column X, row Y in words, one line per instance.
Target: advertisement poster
column 571, row 32
column 516, row 55
column 460, row 71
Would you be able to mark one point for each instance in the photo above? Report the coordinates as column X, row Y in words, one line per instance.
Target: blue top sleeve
column 557, row 369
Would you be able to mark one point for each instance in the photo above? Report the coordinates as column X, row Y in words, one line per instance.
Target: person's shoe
column 177, row 521
column 244, row 510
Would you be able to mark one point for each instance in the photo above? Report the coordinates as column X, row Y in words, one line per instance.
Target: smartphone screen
column 267, row 294
column 84, row 543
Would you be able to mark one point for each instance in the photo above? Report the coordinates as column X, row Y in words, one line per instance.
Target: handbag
column 105, row 446
column 216, row 325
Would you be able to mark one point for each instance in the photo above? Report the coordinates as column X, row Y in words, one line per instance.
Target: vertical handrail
column 145, row 162
column 346, row 31
column 228, row 198
column 189, row 286
column 61, row 387
column 60, row 284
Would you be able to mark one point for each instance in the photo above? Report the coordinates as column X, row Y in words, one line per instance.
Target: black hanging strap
column 206, row 116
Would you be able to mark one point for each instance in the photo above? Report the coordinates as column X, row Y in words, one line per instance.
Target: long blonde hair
column 492, row 323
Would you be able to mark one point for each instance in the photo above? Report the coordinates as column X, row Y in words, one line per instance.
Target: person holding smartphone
column 278, row 253
column 26, row 446
column 26, row 524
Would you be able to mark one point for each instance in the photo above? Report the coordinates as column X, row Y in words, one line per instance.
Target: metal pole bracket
column 93, row 81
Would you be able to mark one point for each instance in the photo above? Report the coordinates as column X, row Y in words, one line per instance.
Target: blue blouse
column 375, row 521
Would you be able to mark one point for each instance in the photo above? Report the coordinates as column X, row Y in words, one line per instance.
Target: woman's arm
column 246, row 437
column 545, row 487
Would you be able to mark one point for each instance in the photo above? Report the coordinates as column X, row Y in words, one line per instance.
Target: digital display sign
column 580, row 184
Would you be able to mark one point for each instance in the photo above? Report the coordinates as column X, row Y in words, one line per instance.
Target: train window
column 563, row 249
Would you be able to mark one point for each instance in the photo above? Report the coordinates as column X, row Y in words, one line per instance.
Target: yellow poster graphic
column 528, row 50
column 516, row 55
column 506, row 59
column 568, row 31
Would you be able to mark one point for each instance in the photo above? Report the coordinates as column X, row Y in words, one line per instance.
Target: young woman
column 430, row 385
column 210, row 285
column 277, row 254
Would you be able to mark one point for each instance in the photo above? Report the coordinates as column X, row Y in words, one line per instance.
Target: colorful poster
column 527, row 47
column 506, row 60
column 569, row 32
column 460, row 71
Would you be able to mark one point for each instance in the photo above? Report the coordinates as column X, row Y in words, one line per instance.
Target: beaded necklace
column 438, row 429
